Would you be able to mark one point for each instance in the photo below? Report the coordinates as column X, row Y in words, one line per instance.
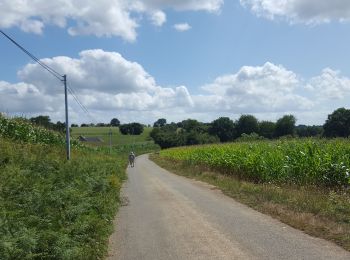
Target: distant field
column 117, row 137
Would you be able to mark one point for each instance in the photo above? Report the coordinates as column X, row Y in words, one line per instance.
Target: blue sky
column 232, row 57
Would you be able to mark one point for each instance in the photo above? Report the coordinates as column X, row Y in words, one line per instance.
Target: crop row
column 300, row 162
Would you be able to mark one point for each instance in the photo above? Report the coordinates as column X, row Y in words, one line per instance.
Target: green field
column 117, row 137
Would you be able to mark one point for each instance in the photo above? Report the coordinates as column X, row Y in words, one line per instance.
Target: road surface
column 167, row 217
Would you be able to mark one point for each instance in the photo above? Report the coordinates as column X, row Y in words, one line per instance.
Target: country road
column 167, row 217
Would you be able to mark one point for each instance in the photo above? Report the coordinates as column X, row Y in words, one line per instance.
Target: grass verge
column 321, row 213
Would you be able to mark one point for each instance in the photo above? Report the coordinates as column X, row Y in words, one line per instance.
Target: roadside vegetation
column 51, row 208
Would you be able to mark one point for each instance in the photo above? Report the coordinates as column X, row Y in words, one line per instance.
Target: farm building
column 90, row 139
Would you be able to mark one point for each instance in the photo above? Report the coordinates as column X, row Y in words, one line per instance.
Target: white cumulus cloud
column 100, row 18
column 158, row 18
column 186, row 5
column 23, row 97
column 267, row 88
column 182, row 27
column 90, row 17
column 330, row 85
column 103, row 81
column 301, row 11
column 95, row 70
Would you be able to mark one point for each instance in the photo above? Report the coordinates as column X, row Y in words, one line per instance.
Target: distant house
column 90, row 139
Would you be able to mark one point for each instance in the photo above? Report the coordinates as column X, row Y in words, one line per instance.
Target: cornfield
column 318, row 162
column 18, row 129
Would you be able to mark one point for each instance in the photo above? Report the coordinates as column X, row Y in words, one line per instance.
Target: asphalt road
column 167, row 217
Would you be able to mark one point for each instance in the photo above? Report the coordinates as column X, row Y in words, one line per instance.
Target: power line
column 46, row 67
column 74, row 95
column 83, row 108
column 62, row 78
column 52, row 72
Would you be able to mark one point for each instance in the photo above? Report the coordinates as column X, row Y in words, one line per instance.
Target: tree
column 223, row 128
column 192, row 125
column 267, row 129
column 338, row 123
column 171, row 136
column 193, row 138
column 160, row 122
column 131, row 129
column 136, row 128
column 115, row 122
column 285, row 126
column 74, row 125
column 247, row 124
column 172, row 127
column 59, row 126
column 167, row 136
column 309, row 131
column 44, row 121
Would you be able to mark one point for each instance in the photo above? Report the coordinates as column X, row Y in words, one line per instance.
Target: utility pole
column 67, row 123
column 56, row 75
column 110, row 141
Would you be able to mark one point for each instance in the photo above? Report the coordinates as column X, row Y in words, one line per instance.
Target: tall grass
column 301, row 162
column 54, row 209
column 51, row 208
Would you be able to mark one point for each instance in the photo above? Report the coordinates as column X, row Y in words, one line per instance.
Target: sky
column 141, row 60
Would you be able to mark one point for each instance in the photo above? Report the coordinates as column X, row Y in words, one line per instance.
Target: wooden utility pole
column 67, row 123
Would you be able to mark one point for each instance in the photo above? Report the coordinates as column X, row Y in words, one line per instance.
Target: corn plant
column 19, row 129
column 300, row 162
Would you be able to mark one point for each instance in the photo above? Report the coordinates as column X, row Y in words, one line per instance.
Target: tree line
column 125, row 129
column 247, row 127
column 45, row 122
column 114, row 122
column 223, row 129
